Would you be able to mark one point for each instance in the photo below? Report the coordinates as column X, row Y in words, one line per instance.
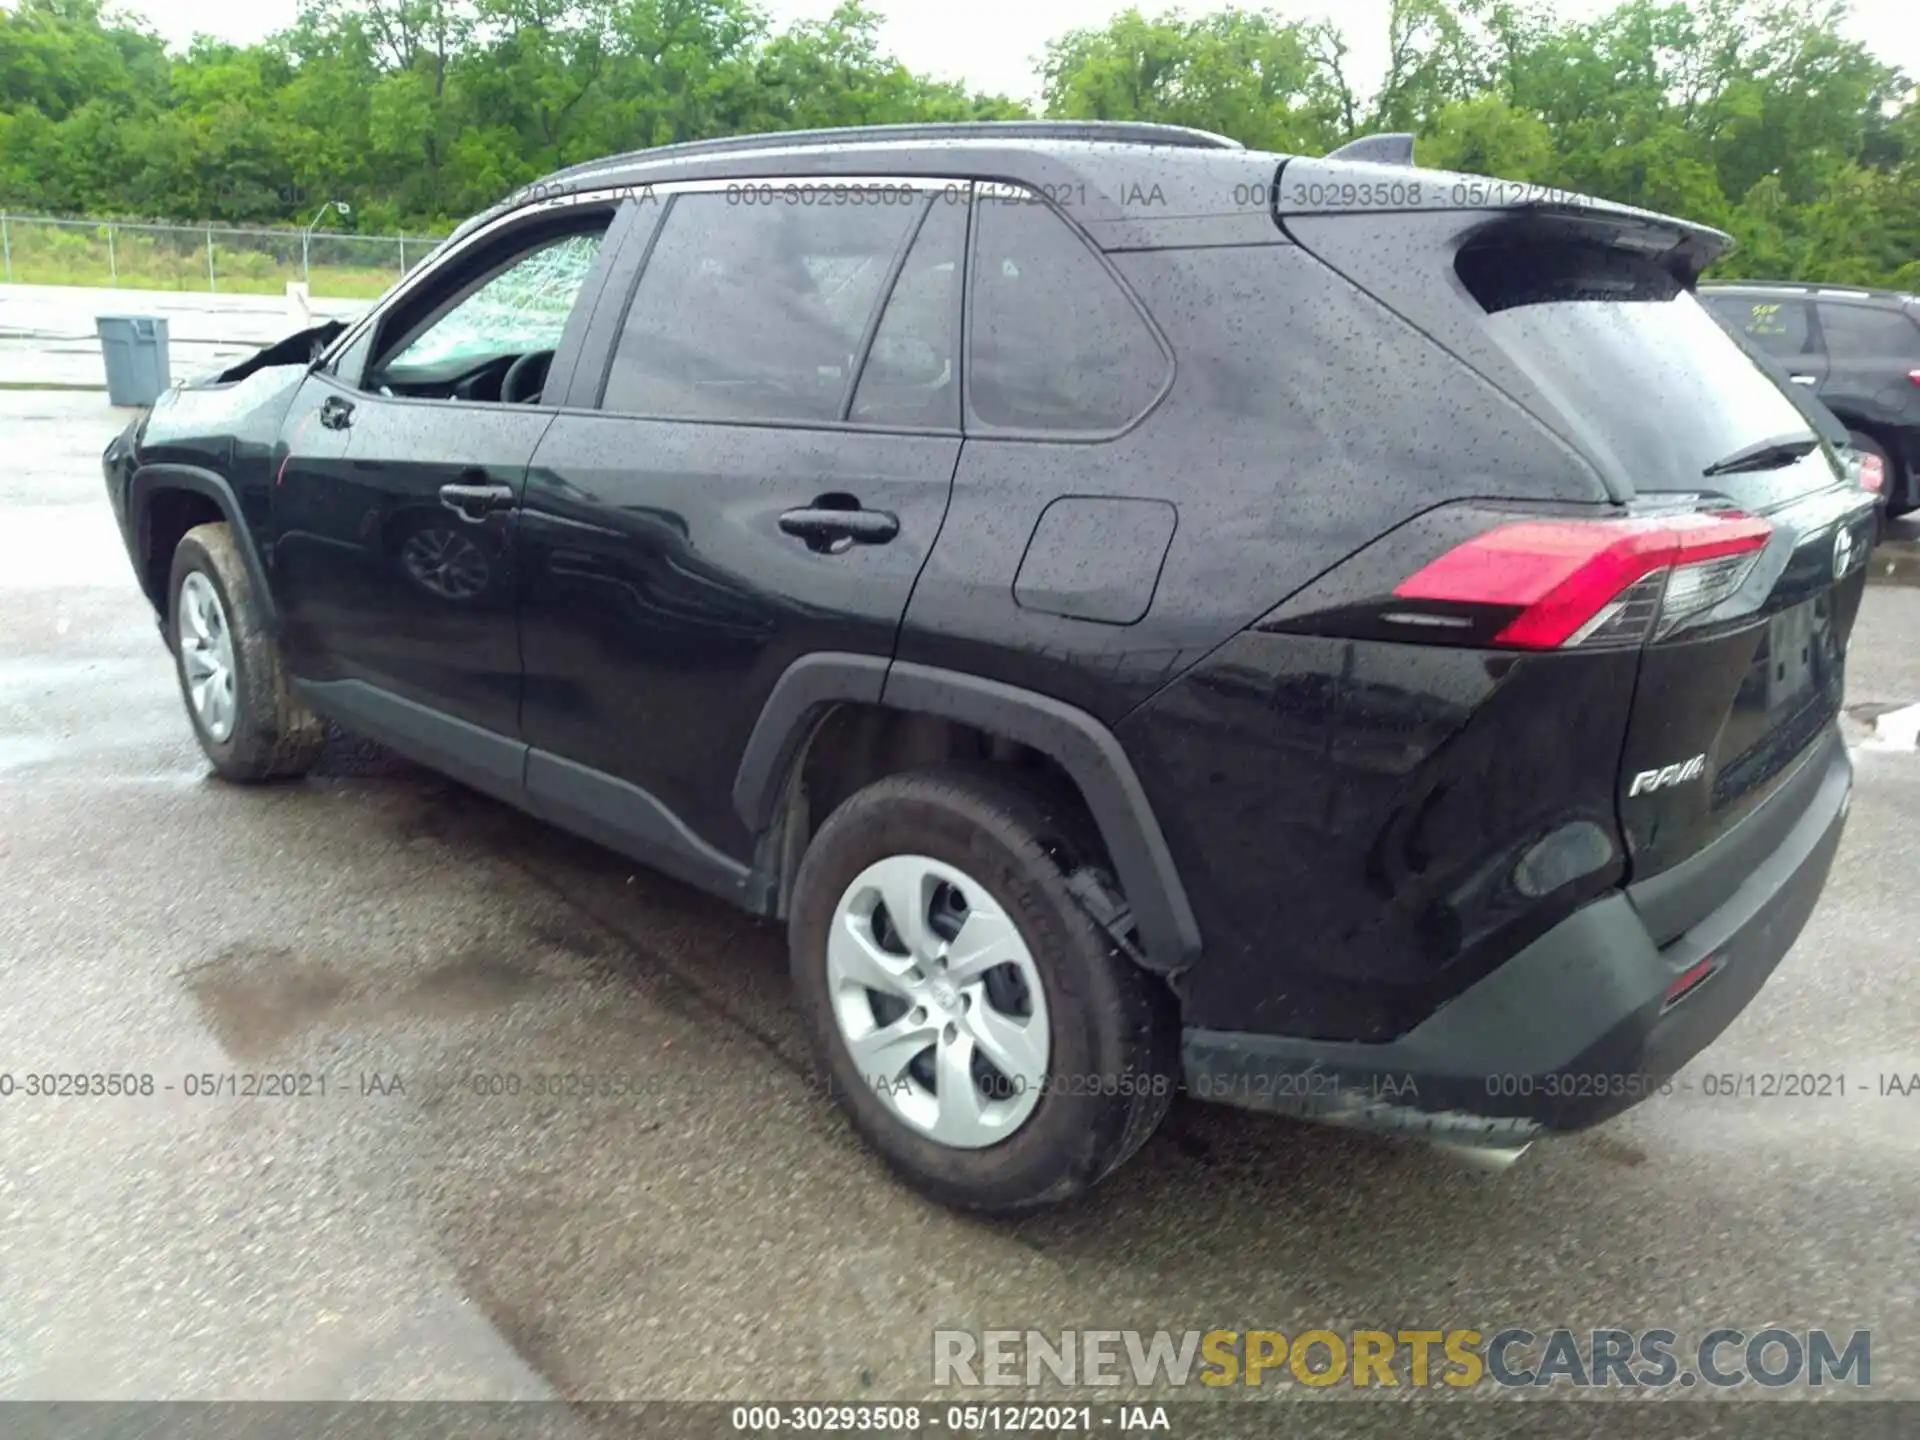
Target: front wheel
column 983, row 1034
column 247, row 720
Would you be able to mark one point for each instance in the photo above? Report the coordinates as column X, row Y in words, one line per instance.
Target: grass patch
column 261, row 263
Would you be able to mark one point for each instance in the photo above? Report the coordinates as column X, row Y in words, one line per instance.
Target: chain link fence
column 40, row 250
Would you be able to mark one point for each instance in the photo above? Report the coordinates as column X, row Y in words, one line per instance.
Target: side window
column 521, row 310
column 1866, row 332
column 912, row 373
column 1778, row 327
column 754, row 311
column 1055, row 342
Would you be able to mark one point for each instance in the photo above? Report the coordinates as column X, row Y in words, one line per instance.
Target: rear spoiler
column 1394, row 148
column 1344, row 183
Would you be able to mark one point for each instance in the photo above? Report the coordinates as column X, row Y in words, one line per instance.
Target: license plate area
column 1791, row 692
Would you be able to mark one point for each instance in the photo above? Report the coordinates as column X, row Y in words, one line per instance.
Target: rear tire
column 1105, row 1065
column 246, row 718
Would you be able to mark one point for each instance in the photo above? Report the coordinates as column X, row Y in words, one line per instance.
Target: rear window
column 754, row 312
column 1634, row 360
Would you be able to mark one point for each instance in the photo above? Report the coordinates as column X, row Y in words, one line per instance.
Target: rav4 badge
column 1647, row 781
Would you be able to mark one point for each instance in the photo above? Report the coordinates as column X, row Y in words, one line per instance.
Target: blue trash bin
column 135, row 349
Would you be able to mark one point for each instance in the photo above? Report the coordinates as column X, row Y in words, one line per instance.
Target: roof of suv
column 1128, row 185
column 1111, row 132
column 1087, row 167
column 1857, row 294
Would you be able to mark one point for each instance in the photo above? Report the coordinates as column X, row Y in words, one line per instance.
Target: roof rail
column 1111, row 132
column 1810, row 287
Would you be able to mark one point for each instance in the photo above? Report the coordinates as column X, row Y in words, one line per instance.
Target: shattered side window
column 522, row 309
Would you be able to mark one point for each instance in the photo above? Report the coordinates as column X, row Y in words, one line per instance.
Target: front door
column 398, row 498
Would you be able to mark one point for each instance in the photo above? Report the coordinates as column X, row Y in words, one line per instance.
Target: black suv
column 1346, row 639
column 1858, row 350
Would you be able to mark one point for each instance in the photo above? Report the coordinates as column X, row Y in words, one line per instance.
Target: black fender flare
column 149, row 480
column 1082, row 746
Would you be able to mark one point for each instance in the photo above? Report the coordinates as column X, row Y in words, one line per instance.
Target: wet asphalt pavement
column 711, row 1229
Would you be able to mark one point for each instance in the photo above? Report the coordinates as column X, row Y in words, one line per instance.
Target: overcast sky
column 994, row 45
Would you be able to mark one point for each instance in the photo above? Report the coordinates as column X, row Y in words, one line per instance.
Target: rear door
column 1871, row 349
column 753, row 467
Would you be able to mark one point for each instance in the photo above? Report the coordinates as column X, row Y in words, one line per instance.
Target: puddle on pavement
column 256, row 998
column 475, row 984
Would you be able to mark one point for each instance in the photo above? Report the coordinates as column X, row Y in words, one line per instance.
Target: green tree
column 1757, row 115
column 1241, row 73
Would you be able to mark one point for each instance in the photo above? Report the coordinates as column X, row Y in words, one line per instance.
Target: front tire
column 245, row 716
column 982, row 1033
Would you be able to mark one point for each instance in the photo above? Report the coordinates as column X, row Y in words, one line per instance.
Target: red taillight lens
column 1873, row 473
column 1576, row 581
column 1914, row 375
column 1691, row 980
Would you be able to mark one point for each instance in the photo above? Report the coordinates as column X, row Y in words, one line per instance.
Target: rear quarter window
column 1056, row 345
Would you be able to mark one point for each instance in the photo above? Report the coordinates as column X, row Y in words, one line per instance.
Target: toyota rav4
column 1337, row 637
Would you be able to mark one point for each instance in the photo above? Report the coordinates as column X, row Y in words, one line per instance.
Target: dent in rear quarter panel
column 1303, row 421
column 1365, row 828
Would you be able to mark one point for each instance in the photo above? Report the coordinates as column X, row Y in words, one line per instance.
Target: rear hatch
column 1736, row 557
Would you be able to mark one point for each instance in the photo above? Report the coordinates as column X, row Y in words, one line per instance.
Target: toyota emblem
column 1843, row 548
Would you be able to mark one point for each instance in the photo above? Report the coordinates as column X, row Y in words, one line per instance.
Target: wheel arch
column 159, row 519
column 1076, row 743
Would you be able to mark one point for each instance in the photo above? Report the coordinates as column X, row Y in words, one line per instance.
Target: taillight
column 1873, row 472
column 1589, row 582
column 1914, row 375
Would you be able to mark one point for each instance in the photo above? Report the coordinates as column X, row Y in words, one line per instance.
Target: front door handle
column 336, row 412
column 1804, row 379
column 830, row 531
column 474, row 502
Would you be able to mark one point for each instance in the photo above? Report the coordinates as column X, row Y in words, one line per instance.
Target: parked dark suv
column 1356, row 641
column 1858, row 350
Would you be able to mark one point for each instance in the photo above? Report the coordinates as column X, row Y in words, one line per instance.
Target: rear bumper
column 1574, row 1029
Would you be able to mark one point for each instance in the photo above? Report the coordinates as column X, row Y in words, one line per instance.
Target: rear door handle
column 1804, row 379
column 830, row 531
column 336, row 412
column 474, row 502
